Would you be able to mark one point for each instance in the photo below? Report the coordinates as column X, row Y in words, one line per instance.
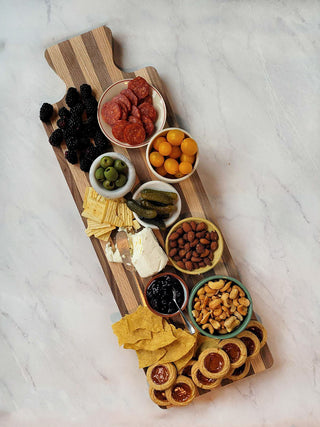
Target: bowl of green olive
column 112, row 175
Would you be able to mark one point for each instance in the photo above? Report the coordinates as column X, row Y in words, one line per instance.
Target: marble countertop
column 243, row 77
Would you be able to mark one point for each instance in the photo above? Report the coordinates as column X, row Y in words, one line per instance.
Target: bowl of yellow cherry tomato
column 172, row 155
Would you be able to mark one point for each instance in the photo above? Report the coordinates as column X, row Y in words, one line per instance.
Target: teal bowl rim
column 244, row 323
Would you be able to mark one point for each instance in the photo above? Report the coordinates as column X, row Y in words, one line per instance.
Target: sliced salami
column 136, row 112
column 123, row 99
column 134, row 119
column 139, row 87
column 124, row 110
column 148, row 124
column 130, row 95
column 134, row 134
column 118, row 129
column 147, row 99
column 148, row 110
column 111, row 113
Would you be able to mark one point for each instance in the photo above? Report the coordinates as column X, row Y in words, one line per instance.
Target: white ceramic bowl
column 162, row 186
column 149, row 149
column 120, row 192
column 115, row 89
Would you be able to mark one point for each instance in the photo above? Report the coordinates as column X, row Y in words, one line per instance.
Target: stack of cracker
column 104, row 215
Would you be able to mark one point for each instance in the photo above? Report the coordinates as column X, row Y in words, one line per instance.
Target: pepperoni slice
column 148, row 110
column 111, row 112
column 136, row 112
column 148, row 124
column 147, row 99
column 123, row 99
column 139, row 87
column 134, row 134
column 118, row 129
column 130, row 95
column 134, row 119
column 124, row 110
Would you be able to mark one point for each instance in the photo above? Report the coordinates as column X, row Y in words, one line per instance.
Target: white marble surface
column 243, row 77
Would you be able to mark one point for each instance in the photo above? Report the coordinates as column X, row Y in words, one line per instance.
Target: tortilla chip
column 183, row 361
column 144, row 318
column 148, row 358
column 180, row 347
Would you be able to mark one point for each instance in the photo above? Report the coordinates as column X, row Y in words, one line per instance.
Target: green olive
column 109, row 185
column 121, row 181
column 111, row 174
column 106, row 162
column 120, row 166
column 99, row 174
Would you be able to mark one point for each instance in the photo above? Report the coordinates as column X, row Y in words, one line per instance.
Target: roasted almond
column 193, row 225
column 204, row 241
column 191, row 236
column 173, row 252
column 174, row 236
column 201, row 226
column 186, row 227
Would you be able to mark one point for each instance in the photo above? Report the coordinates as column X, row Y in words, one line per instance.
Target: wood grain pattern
column 89, row 58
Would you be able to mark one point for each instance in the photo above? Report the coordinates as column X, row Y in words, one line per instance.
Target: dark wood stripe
column 98, row 65
column 72, row 63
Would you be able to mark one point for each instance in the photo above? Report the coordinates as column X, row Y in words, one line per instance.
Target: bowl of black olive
column 159, row 294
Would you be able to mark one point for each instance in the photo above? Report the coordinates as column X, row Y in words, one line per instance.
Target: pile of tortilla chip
column 154, row 339
column 104, row 215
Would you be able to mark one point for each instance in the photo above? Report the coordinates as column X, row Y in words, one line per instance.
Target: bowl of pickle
column 112, row 175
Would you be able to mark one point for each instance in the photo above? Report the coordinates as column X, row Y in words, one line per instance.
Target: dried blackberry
column 46, row 112
column 92, row 153
column 74, row 124
column 62, row 123
column 72, row 143
column 71, row 156
column 72, row 97
column 90, row 127
column 77, row 110
column 84, row 143
column 85, row 91
column 56, row 137
column 101, row 140
column 85, row 164
column 64, row 112
column 91, row 105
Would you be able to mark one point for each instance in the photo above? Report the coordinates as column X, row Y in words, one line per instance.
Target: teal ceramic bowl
column 242, row 325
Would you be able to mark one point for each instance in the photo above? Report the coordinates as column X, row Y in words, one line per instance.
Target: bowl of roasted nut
column 194, row 245
column 220, row 307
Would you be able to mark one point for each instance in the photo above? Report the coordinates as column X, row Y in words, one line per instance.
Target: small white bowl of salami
column 172, row 155
column 130, row 112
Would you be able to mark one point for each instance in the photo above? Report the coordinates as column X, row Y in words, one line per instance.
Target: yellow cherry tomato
column 171, row 166
column 161, row 170
column 189, row 146
column 179, row 175
column 186, row 158
column 158, row 141
column 185, row 168
column 175, row 137
column 176, row 152
column 156, row 159
column 165, row 148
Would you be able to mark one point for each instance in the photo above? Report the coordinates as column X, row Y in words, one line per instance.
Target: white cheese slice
column 148, row 257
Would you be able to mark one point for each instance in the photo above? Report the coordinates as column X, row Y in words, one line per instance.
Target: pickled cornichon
column 168, row 209
column 165, row 197
column 140, row 210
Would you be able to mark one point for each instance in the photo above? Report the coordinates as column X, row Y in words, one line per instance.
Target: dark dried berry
column 56, row 137
column 46, row 112
column 64, row 112
column 72, row 143
column 92, row 153
column 85, row 90
column 72, row 97
column 62, row 123
column 101, row 140
column 84, row 143
column 71, row 156
column 91, row 105
column 85, row 164
column 77, row 110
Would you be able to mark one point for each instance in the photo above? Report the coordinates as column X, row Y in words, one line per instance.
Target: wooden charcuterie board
column 88, row 58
